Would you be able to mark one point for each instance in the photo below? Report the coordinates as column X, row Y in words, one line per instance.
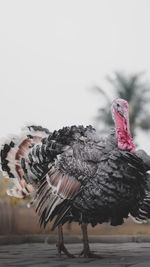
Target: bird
column 77, row 175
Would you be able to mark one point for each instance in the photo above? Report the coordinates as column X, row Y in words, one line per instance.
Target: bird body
column 106, row 182
column 76, row 175
column 91, row 178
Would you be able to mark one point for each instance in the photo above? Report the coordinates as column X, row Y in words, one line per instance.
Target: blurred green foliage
column 132, row 88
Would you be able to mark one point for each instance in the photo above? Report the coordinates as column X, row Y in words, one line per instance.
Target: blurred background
column 62, row 63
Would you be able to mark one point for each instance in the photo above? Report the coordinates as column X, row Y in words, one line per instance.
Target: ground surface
column 45, row 255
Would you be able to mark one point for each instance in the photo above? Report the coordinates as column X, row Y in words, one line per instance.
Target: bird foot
column 86, row 253
column 61, row 248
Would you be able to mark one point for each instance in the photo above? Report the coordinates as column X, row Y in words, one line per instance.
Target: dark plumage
column 108, row 183
column 142, row 214
column 78, row 176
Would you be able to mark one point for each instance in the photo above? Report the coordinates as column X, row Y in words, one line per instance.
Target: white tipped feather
column 21, row 147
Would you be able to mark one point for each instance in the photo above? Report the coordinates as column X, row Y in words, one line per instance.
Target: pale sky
column 52, row 52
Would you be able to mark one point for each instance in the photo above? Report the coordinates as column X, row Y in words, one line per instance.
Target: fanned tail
column 13, row 150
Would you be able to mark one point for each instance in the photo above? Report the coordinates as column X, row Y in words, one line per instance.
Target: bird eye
column 118, row 105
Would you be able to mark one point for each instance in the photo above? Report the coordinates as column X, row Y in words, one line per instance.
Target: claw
column 62, row 248
column 86, row 253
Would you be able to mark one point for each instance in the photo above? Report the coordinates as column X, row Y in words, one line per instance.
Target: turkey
column 78, row 176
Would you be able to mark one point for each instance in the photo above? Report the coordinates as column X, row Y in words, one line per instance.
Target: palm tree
column 135, row 91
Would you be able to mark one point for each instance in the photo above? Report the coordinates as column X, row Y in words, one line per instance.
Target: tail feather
column 12, row 151
column 18, row 191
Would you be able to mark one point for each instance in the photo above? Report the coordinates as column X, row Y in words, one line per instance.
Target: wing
column 65, row 181
column 55, row 193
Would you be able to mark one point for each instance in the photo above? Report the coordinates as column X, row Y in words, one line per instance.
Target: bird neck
column 124, row 137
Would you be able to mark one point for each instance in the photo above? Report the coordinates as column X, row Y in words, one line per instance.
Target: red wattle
column 125, row 141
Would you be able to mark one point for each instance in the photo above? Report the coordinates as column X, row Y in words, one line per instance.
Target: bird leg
column 86, row 252
column 60, row 243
